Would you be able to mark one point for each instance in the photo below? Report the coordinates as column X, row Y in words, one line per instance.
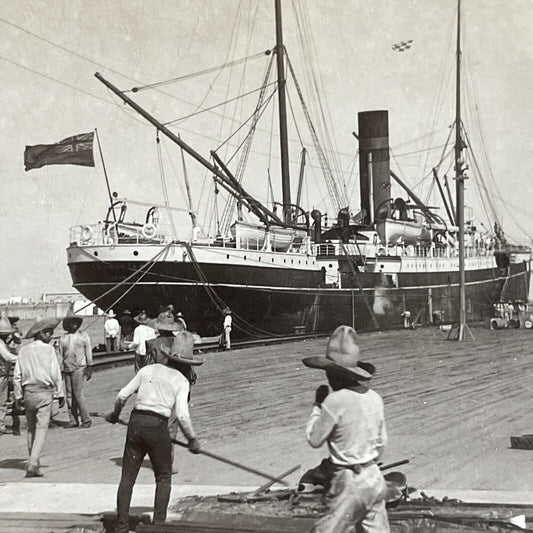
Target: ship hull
column 271, row 301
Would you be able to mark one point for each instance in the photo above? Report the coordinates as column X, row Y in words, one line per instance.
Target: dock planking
column 450, row 408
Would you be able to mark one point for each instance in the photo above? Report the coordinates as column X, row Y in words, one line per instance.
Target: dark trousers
column 147, row 434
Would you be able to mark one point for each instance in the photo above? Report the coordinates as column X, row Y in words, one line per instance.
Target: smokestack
column 373, row 161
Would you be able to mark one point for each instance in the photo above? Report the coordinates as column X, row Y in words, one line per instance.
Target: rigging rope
column 184, row 118
column 199, row 73
column 164, row 185
column 330, row 180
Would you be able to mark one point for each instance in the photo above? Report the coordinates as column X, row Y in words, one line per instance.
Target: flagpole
column 105, row 174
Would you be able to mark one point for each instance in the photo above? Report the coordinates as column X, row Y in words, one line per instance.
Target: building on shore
column 50, row 304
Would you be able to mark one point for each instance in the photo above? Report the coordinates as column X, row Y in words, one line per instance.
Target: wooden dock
column 450, row 408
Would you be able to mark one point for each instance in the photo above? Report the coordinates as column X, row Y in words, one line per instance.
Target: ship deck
column 450, row 409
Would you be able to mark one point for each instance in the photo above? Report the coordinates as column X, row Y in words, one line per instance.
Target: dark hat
column 141, row 318
column 181, row 350
column 71, row 318
column 41, row 325
column 342, row 355
column 5, row 325
column 13, row 319
column 126, row 312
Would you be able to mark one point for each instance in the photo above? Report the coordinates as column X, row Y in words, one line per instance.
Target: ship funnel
column 374, row 164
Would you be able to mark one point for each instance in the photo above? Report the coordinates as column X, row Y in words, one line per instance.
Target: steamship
column 302, row 271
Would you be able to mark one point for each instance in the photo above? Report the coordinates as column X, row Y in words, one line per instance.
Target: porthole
column 135, row 253
column 259, row 259
column 245, row 258
column 96, row 254
column 330, row 265
column 227, row 256
column 272, row 259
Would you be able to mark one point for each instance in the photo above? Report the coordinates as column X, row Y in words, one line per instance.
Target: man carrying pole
column 162, row 390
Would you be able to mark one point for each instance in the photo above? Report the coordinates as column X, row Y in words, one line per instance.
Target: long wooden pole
column 283, row 136
column 459, row 184
column 215, row 456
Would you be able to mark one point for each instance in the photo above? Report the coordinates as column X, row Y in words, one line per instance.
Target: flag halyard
column 75, row 150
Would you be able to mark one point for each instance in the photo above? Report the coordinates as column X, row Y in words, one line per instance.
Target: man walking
column 77, row 360
column 351, row 421
column 161, row 391
column 37, row 376
column 112, row 332
column 7, row 359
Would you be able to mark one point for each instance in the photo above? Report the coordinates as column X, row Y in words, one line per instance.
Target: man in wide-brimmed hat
column 142, row 333
column 182, row 350
column 37, row 378
column 8, row 358
column 166, row 326
column 77, row 359
column 162, row 391
column 351, row 421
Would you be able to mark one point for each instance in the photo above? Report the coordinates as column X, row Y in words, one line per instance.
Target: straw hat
column 181, row 350
column 111, row 314
column 40, row 325
column 5, row 325
column 164, row 322
column 342, row 355
column 226, row 311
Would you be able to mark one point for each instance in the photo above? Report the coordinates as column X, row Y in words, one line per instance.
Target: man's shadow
column 146, row 463
column 15, row 464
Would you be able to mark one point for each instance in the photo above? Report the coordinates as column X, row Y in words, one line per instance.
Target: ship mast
column 460, row 185
column 283, row 138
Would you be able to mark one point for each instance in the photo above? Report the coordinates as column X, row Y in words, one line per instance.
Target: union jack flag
column 75, row 150
column 402, row 46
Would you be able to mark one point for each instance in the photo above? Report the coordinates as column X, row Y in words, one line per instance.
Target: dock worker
column 112, row 332
column 8, row 358
column 127, row 325
column 142, row 333
column 161, row 390
column 77, row 360
column 227, row 327
column 165, row 326
column 183, row 345
column 351, row 421
column 36, row 378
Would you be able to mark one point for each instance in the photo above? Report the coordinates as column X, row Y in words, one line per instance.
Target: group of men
column 349, row 418
column 42, row 374
column 347, row 414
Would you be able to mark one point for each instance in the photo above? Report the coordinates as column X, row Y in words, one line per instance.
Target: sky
column 50, row 50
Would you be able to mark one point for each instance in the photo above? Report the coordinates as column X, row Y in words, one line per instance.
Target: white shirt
column 227, row 322
column 353, row 424
column 162, row 390
column 141, row 334
column 37, row 366
column 112, row 327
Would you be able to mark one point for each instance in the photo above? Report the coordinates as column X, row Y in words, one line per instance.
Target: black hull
column 295, row 299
